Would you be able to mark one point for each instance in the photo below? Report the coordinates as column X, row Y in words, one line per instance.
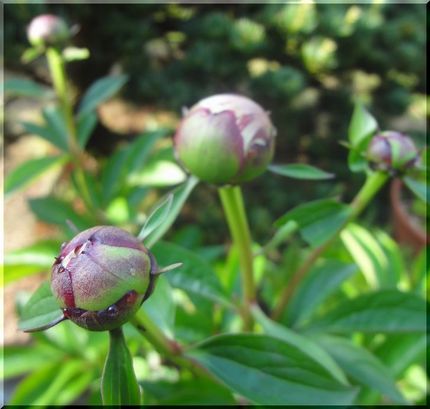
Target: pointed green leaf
column 41, row 311
column 389, row 311
column 419, row 187
column 320, row 283
column 29, row 260
column 318, row 220
column 268, row 370
column 362, row 125
column 30, row 171
column 156, row 218
column 195, row 275
column 304, row 344
column 100, row 91
column 46, row 133
column 85, row 127
column 362, row 366
column 180, row 195
column 119, row 384
column 160, row 307
column 301, row 171
column 25, row 87
column 56, row 124
column 75, row 54
column 56, row 211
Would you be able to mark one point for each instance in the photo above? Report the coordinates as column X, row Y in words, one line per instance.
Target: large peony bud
column 225, row 139
column 101, row 277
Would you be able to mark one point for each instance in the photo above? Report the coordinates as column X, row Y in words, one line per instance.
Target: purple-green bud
column 48, row 30
column 392, row 151
column 102, row 276
column 225, row 139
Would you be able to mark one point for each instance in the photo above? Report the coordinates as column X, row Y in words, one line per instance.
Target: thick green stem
column 58, row 73
column 232, row 201
column 373, row 184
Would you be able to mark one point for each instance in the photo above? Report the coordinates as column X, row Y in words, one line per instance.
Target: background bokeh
column 305, row 63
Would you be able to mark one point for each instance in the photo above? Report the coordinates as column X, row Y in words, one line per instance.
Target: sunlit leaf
column 100, row 91
column 180, row 195
column 41, row 311
column 300, row 171
column 389, row 311
column 30, row 170
column 157, row 217
column 268, row 370
column 362, row 366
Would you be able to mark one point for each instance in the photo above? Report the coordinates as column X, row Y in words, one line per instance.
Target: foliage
column 339, row 314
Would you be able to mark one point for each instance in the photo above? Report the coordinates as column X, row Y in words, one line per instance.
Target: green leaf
column 100, row 91
column 30, row 171
column 75, row 54
column 362, row 366
column 161, row 308
column 52, row 210
column 56, row 124
column 300, row 171
column 418, row 187
column 29, row 260
column 319, row 284
column 361, row 128
column 195, row 275
column 180, row 195
column 21, row 359
column 119, row 385
column 46, row 133
column 389, row 311
column 318, row 221
column 53, row 380
column 41, row 311
column 25, row 88
column 302, row 343
column 33, row 386
column 31, row 54
column 369, row 256
column 362, row 125
column 268, row 370
column 158, row 173
column 85, row 127
column 157, row 216
column 189, row 392
column 399, row 352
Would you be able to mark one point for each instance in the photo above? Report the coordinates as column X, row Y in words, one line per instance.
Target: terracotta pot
column 408, row 230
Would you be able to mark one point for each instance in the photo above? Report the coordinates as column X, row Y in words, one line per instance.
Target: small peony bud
column 225, row 139
column 392, row 151
column 101, row 277
column 48, row 30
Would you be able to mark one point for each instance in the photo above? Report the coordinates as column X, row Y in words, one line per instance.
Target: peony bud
column 47, row 30
column 225, row 139
column 392, row 151
column 101, row 277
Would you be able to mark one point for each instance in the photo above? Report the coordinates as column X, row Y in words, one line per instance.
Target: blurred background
column 305, row 63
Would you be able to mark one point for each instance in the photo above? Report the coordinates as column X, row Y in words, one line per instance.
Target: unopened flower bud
column 225, row 139
column 392, row 151
column 48, row 30
column 101, row 277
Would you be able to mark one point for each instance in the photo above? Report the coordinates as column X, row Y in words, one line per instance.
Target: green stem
column 165, row 346
column 234, row 209
column 373, row 184
column 155, row 336
column 58, row 73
